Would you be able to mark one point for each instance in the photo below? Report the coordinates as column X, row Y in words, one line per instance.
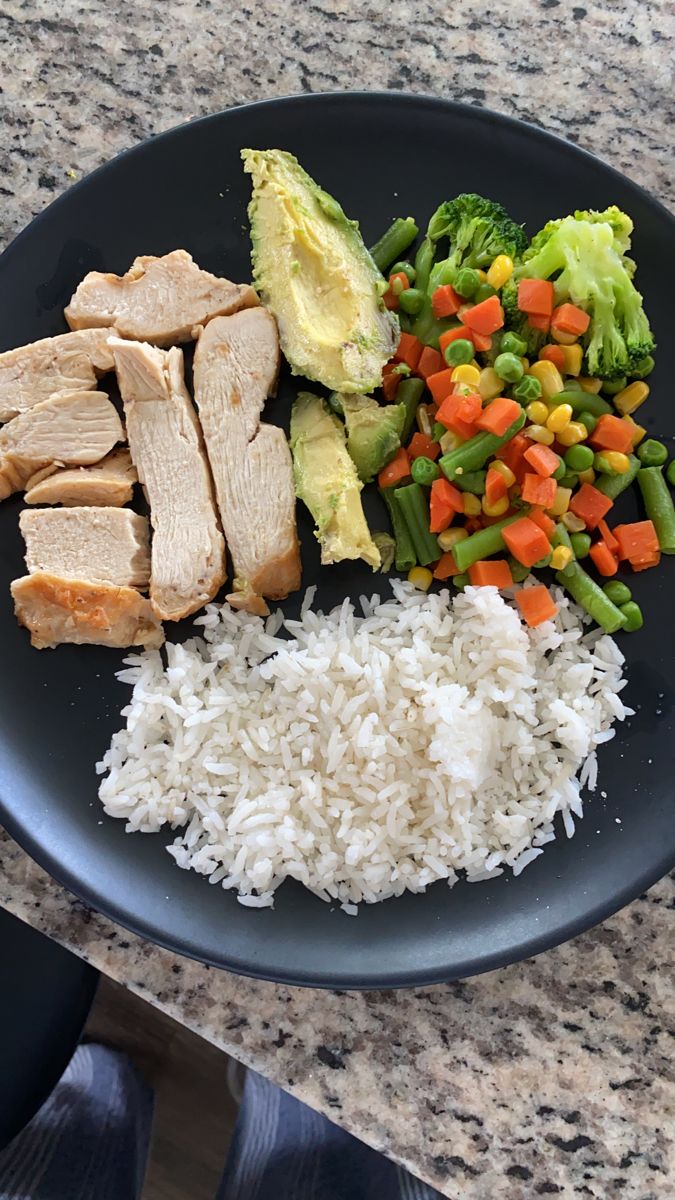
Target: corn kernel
column 589, row 384
column 475, row 363
column 497, row 509
column 561, row 502
column 466, row 374
column 560, row 418
column 421, row 578
column 539, row 433
column 505, row 472
column 489, row 385
column 549, row 377
column 471, row 505
column 561, row 557
column 423, row 420
column 574, row 357
column 450, row 537
column 572, row 522
column 562, row 338
column 572, row 434
column 482, row 275
column 500, row 271
column 537, row 412
column 620, row 463
column 638, row 431
column 450, row 441
column 587, row 476
column 631, row 397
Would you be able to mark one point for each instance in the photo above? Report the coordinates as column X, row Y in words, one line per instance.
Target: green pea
column 509, row 368
column 633, row 614
column 460, row 581
column 570, row 480
column 424, row 471
column 527, row 389
column 467, row 282
column 543, row 562
column 616, row 591
column 588, row 420
column 579, row 458
column 560, row 471
column 411, row 300
column 438, row 431
column 458, row 352
column 652, row 453
column 670, row 473
column 518, row 571
column 404, row 268
column 512, row 344
column 581, row 544
column 572, row 384
column 613, row 386
column 483, row 292
column 643, row 368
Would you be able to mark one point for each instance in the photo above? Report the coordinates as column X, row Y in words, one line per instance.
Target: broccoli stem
column 394, row 241
column 406, row 558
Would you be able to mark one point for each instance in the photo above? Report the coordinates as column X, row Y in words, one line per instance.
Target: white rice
column 364, row 755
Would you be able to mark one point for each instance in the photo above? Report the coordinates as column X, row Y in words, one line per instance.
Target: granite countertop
column 546, row 1078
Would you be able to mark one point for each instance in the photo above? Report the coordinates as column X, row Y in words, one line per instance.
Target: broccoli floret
column 478, row 230
column 585, row 262
column 622, row 226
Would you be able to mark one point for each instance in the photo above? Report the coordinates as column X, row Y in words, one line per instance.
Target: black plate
column 382, row 156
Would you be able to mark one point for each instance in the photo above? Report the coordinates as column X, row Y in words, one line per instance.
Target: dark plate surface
column 59, row 708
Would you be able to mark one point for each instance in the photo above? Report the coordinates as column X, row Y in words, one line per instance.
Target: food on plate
column 103, row 545
column 66, row 363
column 74, row 428
column 236, row 365
column 327, row 482
column 160, row 300
column 437, row 736
column 373, row 432
column 56, row 610
column 188, row 552
column 314, row 273
column 109, row 482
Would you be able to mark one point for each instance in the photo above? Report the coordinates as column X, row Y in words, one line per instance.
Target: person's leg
column 89, row 1139
column 283, row 1150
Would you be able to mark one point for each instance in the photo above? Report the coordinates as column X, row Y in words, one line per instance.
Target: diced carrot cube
column 643, row 564
column 446, row 566
column 636, row 541
column 445, row 302
column 485, row 318
column 542, row 519
column 535, row 297
column 498, row 415
column 396, row 470
column 409, row 350
column 495, row 486
column 421, row 446
column 569, row 318
column 553, row 354
column 440, row 385
column 526, row 541
column 444, row 502
column 612, row 433
column 542, row 460
column 513, row 454
column 429, row 363
column 605, row 562
column 543, row 324
column 453, row 335
column 491, row 572
column 608, row 537
column 536, row 605
column 590, row 505
column 390, row 382
column 537, row 490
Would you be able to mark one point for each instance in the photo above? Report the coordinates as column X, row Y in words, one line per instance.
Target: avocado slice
column 314, row 273
column 373, row 432
column 327, row 482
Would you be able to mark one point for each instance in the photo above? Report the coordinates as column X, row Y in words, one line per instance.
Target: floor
column 194, row 1111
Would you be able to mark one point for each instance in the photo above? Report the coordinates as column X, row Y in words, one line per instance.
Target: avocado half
column 314, row 273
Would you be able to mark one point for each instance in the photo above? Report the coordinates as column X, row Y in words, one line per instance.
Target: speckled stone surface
column 551, row 1078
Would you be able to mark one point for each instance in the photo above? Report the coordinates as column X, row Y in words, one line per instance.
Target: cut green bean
column 483, row 543
column 580, row 401
column 409, row 394
column 613, row 485
column 424, row 261
column 406, row 558
column 652, row 453
column 659, row 505
column 586, row 592
column 474, row 454
column 460, row 581
column 581, row 544
column 670, row 473
column 518, row 571
column 414, row 506
column 471, row 481
column 424, row 470
column 394, row 241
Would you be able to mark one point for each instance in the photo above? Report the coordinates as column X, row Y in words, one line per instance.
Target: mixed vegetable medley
column 517, row 377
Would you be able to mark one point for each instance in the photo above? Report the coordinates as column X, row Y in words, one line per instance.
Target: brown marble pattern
column 550, row 1078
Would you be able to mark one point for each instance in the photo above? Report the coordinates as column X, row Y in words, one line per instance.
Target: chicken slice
column 108, row 484
column 188, row 551
column 235, row 368
column 67, row 363
column 159, row 300
column 56, row 610
column 103, row 545
column 71, row 428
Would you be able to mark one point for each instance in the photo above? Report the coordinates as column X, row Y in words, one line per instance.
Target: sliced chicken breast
column 71, row 428
column 66, row 363
column 109, row 483
column 159, row 300
column 235, row 369
column 188, row 551
column 103, row 545
column 56, row 610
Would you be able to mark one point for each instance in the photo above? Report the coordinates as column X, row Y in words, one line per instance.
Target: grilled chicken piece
column 188, row 552
column 67, row 363
column 108, row 484
column 56, row 610
column 71, row 428
column 235, row 368
column 102, row 545
column 159, row 300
